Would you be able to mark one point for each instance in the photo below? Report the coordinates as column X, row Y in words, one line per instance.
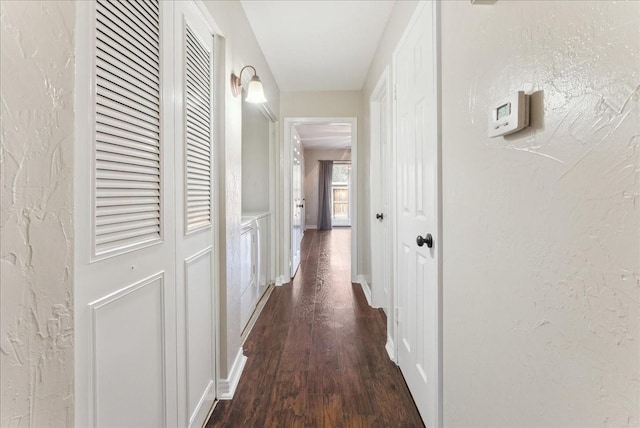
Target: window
column 340, row 179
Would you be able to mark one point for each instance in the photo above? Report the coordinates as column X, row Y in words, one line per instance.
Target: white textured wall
column 36, row 230
column 311, row 177
column 541, row 229
column 255, row 159
column 241, row 48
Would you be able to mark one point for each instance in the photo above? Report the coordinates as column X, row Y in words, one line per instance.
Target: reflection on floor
column 316, row 355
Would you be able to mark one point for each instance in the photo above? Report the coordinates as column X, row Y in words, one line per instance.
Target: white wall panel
column 200, row 333
column 128, row 357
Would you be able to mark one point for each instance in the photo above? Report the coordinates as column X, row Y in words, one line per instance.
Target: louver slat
column 197, row 122
column 127, row 158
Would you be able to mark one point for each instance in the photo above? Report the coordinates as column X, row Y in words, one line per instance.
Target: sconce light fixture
column 255, row 93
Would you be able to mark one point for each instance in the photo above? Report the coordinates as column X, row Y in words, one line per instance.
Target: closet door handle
column 426, row 240
column 380, row 216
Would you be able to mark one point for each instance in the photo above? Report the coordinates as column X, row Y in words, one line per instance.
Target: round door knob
column 380, row 216
column 426, row 240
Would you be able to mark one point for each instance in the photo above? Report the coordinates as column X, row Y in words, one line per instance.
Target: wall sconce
column 255, row 93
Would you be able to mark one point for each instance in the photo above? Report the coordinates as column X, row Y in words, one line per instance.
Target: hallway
column 316, row 355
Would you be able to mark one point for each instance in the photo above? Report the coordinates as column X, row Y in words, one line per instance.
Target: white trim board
column 262, row 301
column 365, row 288
column 198, row 419
column 282, row 280
column 227, row 387
column 391, row 349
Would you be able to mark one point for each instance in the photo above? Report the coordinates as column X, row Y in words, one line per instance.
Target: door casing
column 286, row 201
column 382, row 233
column 297, row 198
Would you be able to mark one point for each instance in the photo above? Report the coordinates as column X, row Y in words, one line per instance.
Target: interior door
column 415, row 63
column 193, row 157
column 125, row 289
column 297, row 204
column 380, row 176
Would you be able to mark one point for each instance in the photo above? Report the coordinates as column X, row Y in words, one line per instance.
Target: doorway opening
column 307, row 142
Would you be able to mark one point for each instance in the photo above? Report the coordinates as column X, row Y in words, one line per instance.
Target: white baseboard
column 282, row 280
column 360, row 279
column 391, row 349
column 310, row 226
column 203, row 408
column 227, row 387
column 256, row 312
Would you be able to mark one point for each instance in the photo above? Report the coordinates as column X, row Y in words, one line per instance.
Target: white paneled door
column 125, row 289
column 418, row 295
column 144, row 325
column 297, row 208
column 380, row 177
column 193, row 157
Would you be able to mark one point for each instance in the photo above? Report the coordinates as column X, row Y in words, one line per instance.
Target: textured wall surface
column 255, row 159
column 241, row 48
column 541, row 229
column 36, row 231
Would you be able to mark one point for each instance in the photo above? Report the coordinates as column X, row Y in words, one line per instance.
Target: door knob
column 380, row 216
column 426, row 240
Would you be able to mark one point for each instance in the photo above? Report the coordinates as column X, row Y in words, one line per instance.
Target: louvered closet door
column 194, row 159
column 125, row 232
column 127, row 126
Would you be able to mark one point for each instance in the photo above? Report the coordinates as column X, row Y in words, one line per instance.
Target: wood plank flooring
column 316, row 355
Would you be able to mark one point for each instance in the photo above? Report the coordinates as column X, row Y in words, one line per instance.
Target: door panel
column 125, row 324
column 415, row 64
column 248, row 274
column 297, row 203
column 194, row 163
column 144, row 315
column 200, row 333
column 382, row 216
column 139, row 352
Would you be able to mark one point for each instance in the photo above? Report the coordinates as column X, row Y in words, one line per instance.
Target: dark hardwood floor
column 316, row 355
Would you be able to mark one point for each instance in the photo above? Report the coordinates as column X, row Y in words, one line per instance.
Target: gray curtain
column 324, row 195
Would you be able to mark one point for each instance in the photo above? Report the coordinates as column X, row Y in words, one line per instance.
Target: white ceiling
column 324, row 136
column 318, row 45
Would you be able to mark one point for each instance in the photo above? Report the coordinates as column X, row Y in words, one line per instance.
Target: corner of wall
column 36, row 227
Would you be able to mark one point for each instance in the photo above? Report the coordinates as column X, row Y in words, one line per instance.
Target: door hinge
column 397, row 315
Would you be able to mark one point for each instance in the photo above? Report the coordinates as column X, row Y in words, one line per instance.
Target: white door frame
column 296, row 241
column 381, row 100
column 438, row 185
column 287, row 168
